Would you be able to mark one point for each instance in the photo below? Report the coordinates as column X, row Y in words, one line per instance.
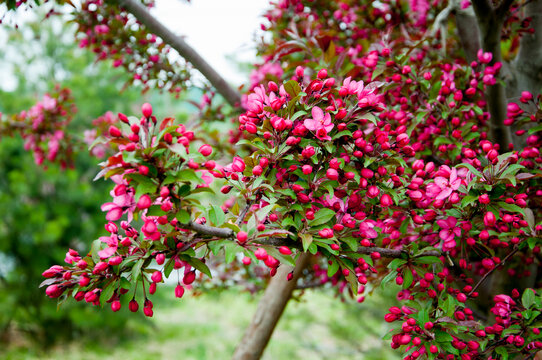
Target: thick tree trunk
column 490, row 23
column 270, row 308
column 469, row 34
column 528, row 63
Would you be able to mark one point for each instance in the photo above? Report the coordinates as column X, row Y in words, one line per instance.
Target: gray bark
column 270, row 309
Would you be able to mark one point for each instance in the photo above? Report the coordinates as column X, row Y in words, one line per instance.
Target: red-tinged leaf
column 525, row 176
column 47, row 282
column 166, row 122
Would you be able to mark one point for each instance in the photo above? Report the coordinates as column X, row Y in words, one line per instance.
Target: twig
column 185, row 50
column 310, row 285
column 257, row 196
column 491, row 271
column 393, row 253
column 209, row 230
column 243, row 213
column 503, row 7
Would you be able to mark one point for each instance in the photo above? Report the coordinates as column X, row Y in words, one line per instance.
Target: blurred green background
column 44, row 212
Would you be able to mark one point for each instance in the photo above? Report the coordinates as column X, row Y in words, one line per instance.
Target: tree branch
column 185, row 50
column 480, row 282
column 209, row 230
column 274, row 241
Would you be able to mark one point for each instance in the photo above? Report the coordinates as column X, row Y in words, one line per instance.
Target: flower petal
column 317, row 113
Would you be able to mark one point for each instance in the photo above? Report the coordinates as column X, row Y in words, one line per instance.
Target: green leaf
column 216, row 215
column 136, row 270
column 469, row 199
column 108, row 291
column 396, row 263
column 155, row 210
column 442, row 336
column 351, row 241
column 230, row 251
column 427, row 260
column 332, row 268
column 199, row 265
column 527, row 299
column 189, row 175
column 341, row 134
column 183, row 216
column 448, row 306
column 322, row 217
column 288, row 221
column 292, row 88
column 529, row 217
column 391, row 275
column 353, row 281
column 407, row 278
column 169, row 267
column 306, row 240
column 313, row 249
column 535, row 129
column 178, row 149
column 96, row 246
column 510, row 207
column 511, row 170
column 501, row 350
column 471, row 168
column 298, row 114
column 145, row 185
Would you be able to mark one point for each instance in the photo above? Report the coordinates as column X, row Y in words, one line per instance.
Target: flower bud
column 179, row 291
column 205, row 150
column 156, row 276
column 146, row 109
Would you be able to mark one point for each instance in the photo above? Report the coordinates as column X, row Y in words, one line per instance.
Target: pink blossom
column 448, row 232
column 123, row 200
column 503, row 307
column 112, row 245
column 259, row 74
column 420, row 9
column 352, row 87
column 72, row 257
column 320, row 123
column 367, row 230
column 257, row 100
column 444, row 186
column 484, row 57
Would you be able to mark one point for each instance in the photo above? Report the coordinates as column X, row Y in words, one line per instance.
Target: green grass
column 318, row 326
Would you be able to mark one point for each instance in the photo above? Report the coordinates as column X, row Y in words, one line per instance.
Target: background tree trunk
column 269, row 310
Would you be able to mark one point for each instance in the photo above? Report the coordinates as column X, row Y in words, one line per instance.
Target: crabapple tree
column 376, row 143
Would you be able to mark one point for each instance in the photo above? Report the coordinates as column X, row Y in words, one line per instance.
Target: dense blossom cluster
column 371, row 152
column 142, row 54
column 43, row 128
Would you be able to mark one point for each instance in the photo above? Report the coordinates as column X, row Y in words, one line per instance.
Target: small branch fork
column 186, row 51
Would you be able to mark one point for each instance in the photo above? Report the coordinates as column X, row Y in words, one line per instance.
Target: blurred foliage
column 315, row 327
column 46, row 211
